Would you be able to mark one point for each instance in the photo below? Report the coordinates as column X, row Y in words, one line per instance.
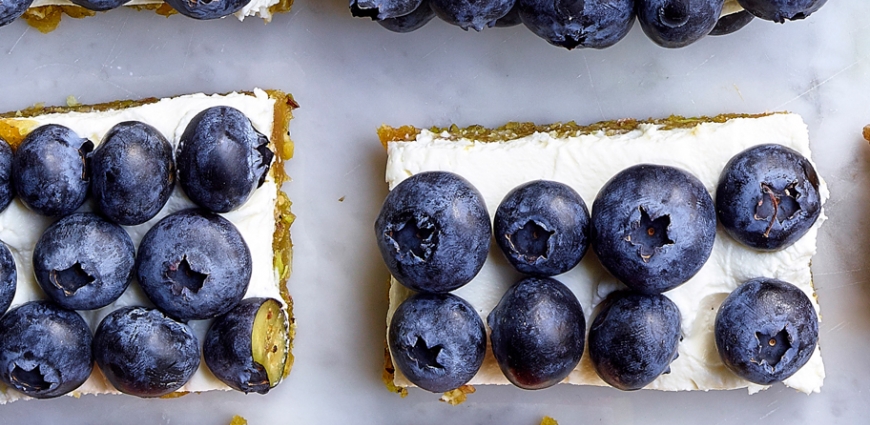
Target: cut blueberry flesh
column 193, row 265
column 766, row 330
column 8, row 278
column 247, row 347
column 578, row 23
column 11, row 10
column 45, row 350
column 84, row 262
column 144, row 353
column 100, row 5
column 768, row 197
column 538, row 332
column 433, row 232
column 731, row 23
column 437, row 341
column 634, row 338
column 678, row 23
column 653, row 227
column 542, row 227
column 133, row 173
column 222, row 159
column 781, row 10
column 383, row 9
column 7, row 189
column 51, row 170
column 471, row 14
column 207, row 9
column 410, row 22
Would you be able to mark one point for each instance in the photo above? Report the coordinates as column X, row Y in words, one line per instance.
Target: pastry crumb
column 546, row 420
column 71, row 101
column 457, row 396
column 867, row 132
column 238, row 420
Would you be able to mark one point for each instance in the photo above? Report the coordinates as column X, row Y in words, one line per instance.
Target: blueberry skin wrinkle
column 83, row 262
column 51, row 171
column 144, row 353
column 100, row 5
column 676, row 208
column 538, row 332
column 766, row 330
column 437, row 341
column 578, row 23
column 634, row 338
column 133, row 173
column 781, row 10
column 410, row 22
column 45, row 350
column 207, row 9
column 8, row 278
column 471, row 14
column 678, row 23
column 11, row 10
column 433, row 232
column 7, row 188
column 380, row 10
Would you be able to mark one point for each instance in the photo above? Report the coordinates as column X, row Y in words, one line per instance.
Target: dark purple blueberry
column 10, row 10
column 542, row 227
column 144, row 353
column 437, row 341
column 133, row 173
column 7, row 188
column 538, row 332
column 410, row 22
column 433, row 232
column 247, row 347
column 207, row 9
column 781, row 10
column 768, row 197
column 100, row 5
column 51, row 170
column 634, row 338
column 45, row 350
column 511, row 19
column 84, row 262
column 731, row 23
column 678, row 23
column 8, row 278
column 766, row 330
column 222, row 159
column 476, row 14
column 383, row 9
column 584, row 23
column 194, row 264
column 653, row 227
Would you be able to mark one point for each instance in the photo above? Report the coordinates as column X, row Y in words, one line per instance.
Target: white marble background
column 350, row 76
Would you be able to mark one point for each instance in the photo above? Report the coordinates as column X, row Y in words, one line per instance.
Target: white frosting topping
column 20, row 228
column 585, row 163
column 255, row 7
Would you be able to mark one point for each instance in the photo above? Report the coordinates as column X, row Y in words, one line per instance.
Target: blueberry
column 678, row 23
column 731, row 23
column 768, row 197
column 511, row 19
column 584, row 23
column 383, row 9
column 194, row 264
column 8, row 278
column 433, row 232
column 542, row 227
column 133, row 173
column 10, row 10
column 247, row 347
column 476, row 14
column 766, row 330
column 204, row 10
column 45, row 350
column 653, row 227
column 222, row 159
column 633, row 338
column 7, row 188
column 410, row 22
column 437, row 340
column 538, row 332
column 84, row 262
column 51, row 171
column 781, row 10
column 144, row 353
column 100, row 5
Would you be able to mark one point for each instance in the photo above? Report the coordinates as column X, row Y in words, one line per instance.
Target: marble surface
column 350, row 76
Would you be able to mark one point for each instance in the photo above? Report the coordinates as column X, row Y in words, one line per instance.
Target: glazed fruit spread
column 585, row 162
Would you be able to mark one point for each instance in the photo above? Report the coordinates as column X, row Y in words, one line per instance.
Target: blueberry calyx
column 649, row 234
column 182, row 276
column 414, row 237
column 71, row 279
column 31, row 378
column 777, row 206
column 531, row 241
column 426, row 356
column 674, row 14
column 771, row 348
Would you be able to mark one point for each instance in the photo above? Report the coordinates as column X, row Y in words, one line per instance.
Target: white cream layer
column 585, row 163
column 255, row 7
column 20, row 228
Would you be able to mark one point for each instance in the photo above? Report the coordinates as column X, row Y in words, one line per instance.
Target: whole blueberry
column 766, row 330
column 584, row 23
column 100, row 5
column 410, row 22
column 51, row 170
column 678, row 23
column 84, row 262
column 768, row 197
column 222, row 159
column 633, row 338
column 437, row 341
column 144, row 353
column 433, row 232
column 133, row 173
column 45, row 350
column 476, row 14
column 542, row 227
column 8, row 278
column 7, row 188
column 538, row 332
column 653, row 227
column 731, row 23
column 10, row 10
column 384, row 9
column 781, row 10
column 194, row 264
column 204, row 10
